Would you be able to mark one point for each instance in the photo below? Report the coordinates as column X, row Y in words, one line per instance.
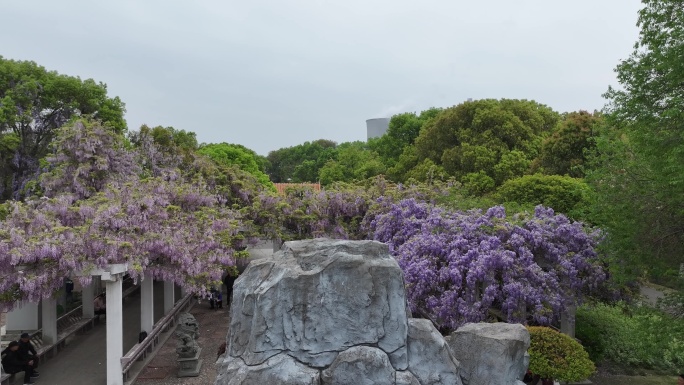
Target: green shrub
column 562, row 193
column 558, row 356
column 631, row 337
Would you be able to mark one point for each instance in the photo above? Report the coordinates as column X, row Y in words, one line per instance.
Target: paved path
column 83, row 359
column 652, row 292
column 163, row 367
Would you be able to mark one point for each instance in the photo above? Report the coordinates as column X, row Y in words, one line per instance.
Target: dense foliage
column 352, row 161
column 562, row 193
column 301, row 163
column 638, row 174
column 401, row 133
column 34, row 103
column 557, row 356
column 566, row 150
column 629, row 336
column 227, row 154
column 99, row 208
column 485, row 142
column 460, row 265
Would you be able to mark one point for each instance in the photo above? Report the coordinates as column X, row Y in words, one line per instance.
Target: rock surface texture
column 491, row 354
column 330, row 312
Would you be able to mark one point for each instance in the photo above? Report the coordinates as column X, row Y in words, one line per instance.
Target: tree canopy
column 566, row 150
column 301, row 163
column 402, row 132
column 34, row 103
column 352, row 161
column 485, row 142
column 98, row 209
column 235, row 154
column 638, row 174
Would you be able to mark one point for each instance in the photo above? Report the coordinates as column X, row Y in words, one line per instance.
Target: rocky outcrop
column 359, row 365
column 330, row 312
column 280, row 369
column 429, row 356
column 316, row 298
column 491, row 354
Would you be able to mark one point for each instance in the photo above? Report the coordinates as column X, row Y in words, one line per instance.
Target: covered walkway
column 83, row 360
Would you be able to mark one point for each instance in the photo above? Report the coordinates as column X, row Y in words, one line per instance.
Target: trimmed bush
column 558, row 356
column 562, row 193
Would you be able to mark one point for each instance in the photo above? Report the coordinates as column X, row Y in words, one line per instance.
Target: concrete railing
column 140, row 350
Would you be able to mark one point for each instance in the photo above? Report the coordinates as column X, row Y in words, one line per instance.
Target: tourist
column 27, row 352
column 229, row 280
column 215, row 299
column 69, row 288
column 12, row 362
column 100, row 305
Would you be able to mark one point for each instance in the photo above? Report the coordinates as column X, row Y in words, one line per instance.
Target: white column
column 23, row 317
column 49, row 310
column 169, row 300
column 87, row 298
column 114, row 330
column 147, row 304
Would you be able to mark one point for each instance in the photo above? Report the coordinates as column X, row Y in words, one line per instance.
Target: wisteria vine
column 458, row 266
column 104, row 203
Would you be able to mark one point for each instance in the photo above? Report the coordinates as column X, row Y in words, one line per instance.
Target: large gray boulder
column 491, row 354
column 429, row 357
column 360, row 365
column 316, row 298
column 406, row 378
column 280, row 369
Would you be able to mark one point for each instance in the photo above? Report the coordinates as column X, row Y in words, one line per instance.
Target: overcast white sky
column 272, row 74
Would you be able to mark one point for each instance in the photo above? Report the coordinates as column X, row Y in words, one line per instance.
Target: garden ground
column 606, row 379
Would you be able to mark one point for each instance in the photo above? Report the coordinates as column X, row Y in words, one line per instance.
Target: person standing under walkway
column 100, row 306
column 12, row 362
column 229, row 280
column 28, row 353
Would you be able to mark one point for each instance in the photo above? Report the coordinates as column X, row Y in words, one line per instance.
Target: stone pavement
column 213, row 329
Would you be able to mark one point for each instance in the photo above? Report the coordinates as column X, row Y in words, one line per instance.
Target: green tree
column 402, row 132
column 332, row 172
column 639, row 176
column 35, row 102
column 565, row 151
column 234, row 154
column 427, row 172
column 9, row 143
column 405, row 164
column 176, row 148
column 353, row 161
column 300, row 163
column 496, row 139
column 170, row 138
